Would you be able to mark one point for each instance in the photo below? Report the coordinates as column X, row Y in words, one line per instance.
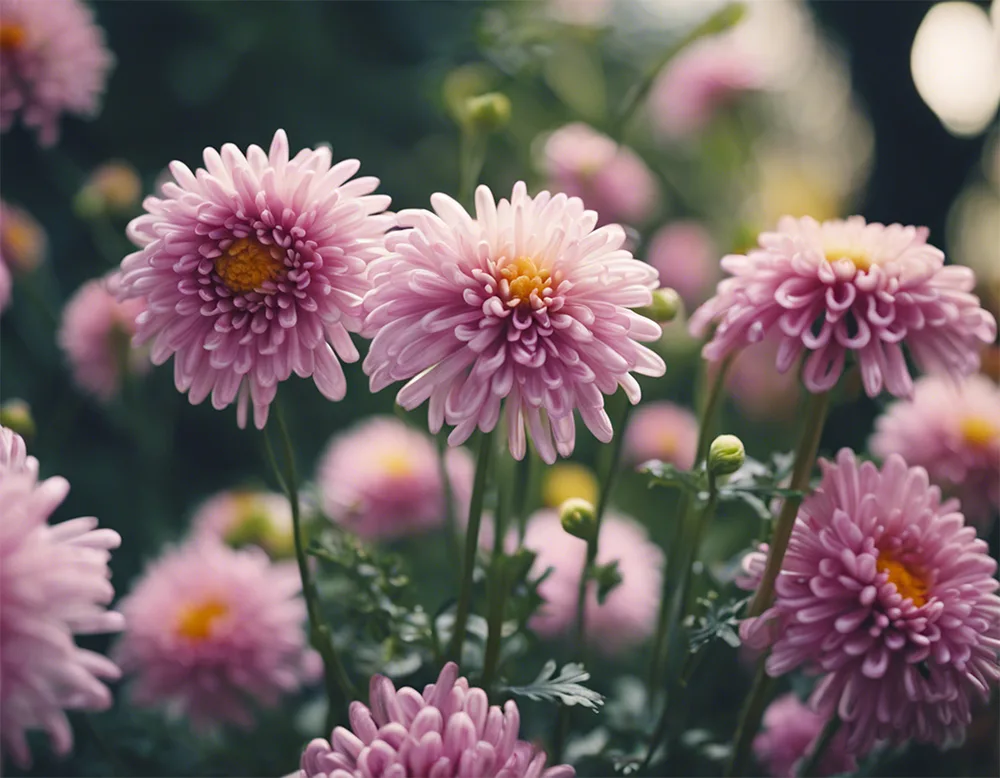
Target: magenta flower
column 752, row 566
column 254, row 268
column 664, row 431
column 94, row 335
column 52, row 61
column 449, row 730
column 5, row 286
column 241, row 517
column 212, row 629
column 53, row 585
column 526, row 305
column 685, row 256
column 760, row 391
column 842, row 286
column 952, row 430
column 887, row 595
column 610, row 179
column 382, row 479
column 790, row 733
column 628, row 615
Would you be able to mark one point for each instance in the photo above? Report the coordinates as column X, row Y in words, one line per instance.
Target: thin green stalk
column 472, row 157
column 450, row 521
column 810, row 766
column 496, row 582
column 471, row 545
column 753, row 710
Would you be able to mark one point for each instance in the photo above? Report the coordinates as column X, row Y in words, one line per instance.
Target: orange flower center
column 857, row 257
column 11, row 36
column 524, row 278
column 196, row 621
column 907, row 582
column 396, row 464
column 979, row 432
column 247, row 265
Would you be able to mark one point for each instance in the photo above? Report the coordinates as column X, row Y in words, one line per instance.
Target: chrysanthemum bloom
column 664, row 431
column 610, row 179
column 527, row 304
column 5, row 286
column 254, row 268
column 841, row 286
column 111, row 188
column 382, row 479
column 953, row 431
column 790, row 733
column 752, row 565
column 628, row 615
column 53, row 585
column 760, row 391
column 213, row 628
column 685, row 257
column 891, row 598
column 52, row 61
column 449, row 730
column 244, row 517
column 699, row 82
column 94, row 335
column 22, row 239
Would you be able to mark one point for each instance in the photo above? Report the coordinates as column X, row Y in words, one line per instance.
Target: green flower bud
column 15, row 414
column 578, row 518
column 665, row 307
column 726, row 455
column 489, row 112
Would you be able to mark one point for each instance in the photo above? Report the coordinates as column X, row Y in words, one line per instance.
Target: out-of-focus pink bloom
column 22, row 239
column 760, row 391
column 213, row 629
column 449, row 730
column 53, row 585
column 610, row 179
column 953, row 431
column 254, row 268
column 628, row 615
column 826, row 289
column 525, row 306
column 52, row 61
column 243, row 517
column 5, row 285
column 664, row 431
column 790, row 733
column 890, row 598
column 698, row 82
column 114, row 187
column 94, row 335
column 685, row 257
column 382, row 479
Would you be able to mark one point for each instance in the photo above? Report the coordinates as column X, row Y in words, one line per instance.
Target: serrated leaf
column 566, row 688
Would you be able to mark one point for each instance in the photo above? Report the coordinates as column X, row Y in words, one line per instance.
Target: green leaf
column 667, row 474
column 608, row 577
column 566, row 688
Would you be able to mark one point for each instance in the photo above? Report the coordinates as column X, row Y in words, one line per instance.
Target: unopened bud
column 578, row 518
column 15, row 414
column 665, row 307
column 489, row 112
column 726, row 455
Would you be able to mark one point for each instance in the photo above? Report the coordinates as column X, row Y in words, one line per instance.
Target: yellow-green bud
column 489, row 112
column 578, row 518
column 665, row 307
column 15, row 414
column 726, row 455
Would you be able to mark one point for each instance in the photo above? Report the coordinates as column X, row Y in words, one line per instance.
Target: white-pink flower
column 685, row 256
column 664, row 431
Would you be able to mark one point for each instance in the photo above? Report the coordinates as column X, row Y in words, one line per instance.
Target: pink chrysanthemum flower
column 527, row 304
column 52, row 61
column 952, row 430
column 94, row 335
column 254, row 268
column 449, row 730
column 382, row 479
column 752, row 565
column 610, row 179
column 213, row 628
column 685, row 256
column 891, row 598
column 5, row 286
column 244, row 517
column 790, row 733
column 846, row 286
column 628, row 615
column 53, row 585
column 664, row 431
column 698, row 83
column 760, row 391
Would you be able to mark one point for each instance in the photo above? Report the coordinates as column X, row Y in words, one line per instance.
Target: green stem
column 753, row 711
column 471, row 157
column 319, row 632
column 496, row 582
column 471, row 546
column 527, row 475
column 450, row 522
column 811, row 764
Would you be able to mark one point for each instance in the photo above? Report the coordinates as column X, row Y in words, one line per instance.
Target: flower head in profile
column 685, row 256
column 847, row 286
column 953, row 431
column 449, row 730
column 254, row 268
column 526, row 305
column 664, row 431
column 22, row 240
column 382, row 479
column 54, row 584
column 212, row 629
column 53, row 61
column 94, row 335
column 246, row 517
column 790, row 732
column 610, row 179
column 628, row 614
column 890, row 598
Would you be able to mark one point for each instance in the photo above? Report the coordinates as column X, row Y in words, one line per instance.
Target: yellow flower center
column 247, row 265
column 524, row 277
column 196, row 620
column 907, row 582
column 566, row 481
column 979, row 432
column 396, row 464
column 11, row 36
column 859, row 258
